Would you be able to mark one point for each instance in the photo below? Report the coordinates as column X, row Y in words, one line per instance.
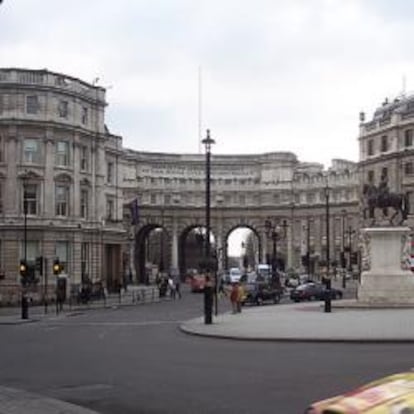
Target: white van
column 234, row 274
column 264, row 271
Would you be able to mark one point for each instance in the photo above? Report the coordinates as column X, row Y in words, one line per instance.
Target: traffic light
column 39, row 265
column 57, row 267
column 23, row 268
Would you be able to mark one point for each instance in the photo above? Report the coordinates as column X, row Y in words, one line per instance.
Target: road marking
column 121, row 323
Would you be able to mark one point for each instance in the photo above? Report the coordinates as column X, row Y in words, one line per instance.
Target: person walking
column 171, row 286
column 240, row 297
column 234, row 294
column 177, row 283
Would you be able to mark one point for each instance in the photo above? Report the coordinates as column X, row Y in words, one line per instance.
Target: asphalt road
column 136, row 360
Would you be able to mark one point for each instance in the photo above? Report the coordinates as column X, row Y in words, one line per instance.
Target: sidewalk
column 308, row 322
column 13, row 401
column 135, row 295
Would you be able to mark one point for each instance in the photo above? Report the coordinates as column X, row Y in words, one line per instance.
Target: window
column 30, row 250
column 84, row 203
column 384, row 172
column 31, row 151
column 110, row 210
column 62, row 200
column 62, row 253
column 62, row 153
column 408, row 168
column 85, row 261
column 384, row 143
column 276, row 198
column 167, row 199
column 310, row 198
column 110, row 172
column 153, row 199
column 408, row 137
column 371, row 177
column 242, row 199
column 30, row 198
column 63, row 109
column 84, row 158
column 1, row 148
column 32, row 104
column 84, row 116
column 370, row 147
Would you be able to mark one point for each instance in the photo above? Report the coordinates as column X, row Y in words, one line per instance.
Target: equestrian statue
column 381, row 198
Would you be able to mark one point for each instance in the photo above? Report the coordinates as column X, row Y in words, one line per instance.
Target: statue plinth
column 386, row 278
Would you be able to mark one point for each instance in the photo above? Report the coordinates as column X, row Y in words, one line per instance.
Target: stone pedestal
column 386, row 278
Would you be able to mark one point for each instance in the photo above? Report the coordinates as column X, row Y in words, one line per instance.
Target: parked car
column 392, row 394
column 257, row 293
column 197, row 283
column 234, row 275
column 313, row 291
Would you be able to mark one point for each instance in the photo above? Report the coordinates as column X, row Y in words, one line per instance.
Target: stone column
column 12, row 188
column 49, row 181
column 174, row 247
column 289, row 241
column 264, row 247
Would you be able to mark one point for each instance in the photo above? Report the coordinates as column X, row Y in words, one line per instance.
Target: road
column 136, row 360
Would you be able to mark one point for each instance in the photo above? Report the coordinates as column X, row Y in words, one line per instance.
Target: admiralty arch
column 67, row 186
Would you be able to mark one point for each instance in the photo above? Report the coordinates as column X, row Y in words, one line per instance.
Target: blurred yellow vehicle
column 390, row 395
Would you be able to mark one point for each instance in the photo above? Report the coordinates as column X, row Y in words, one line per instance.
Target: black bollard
column 208, row 305
column 25, row 307
column 328, row 295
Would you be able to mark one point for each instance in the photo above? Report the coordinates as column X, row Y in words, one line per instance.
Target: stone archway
column 234, row 227
column 141, row 251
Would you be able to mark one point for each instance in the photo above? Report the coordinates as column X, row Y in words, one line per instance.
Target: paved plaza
column 308, row 322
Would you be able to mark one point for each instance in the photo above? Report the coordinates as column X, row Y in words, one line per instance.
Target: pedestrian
column 171, row 286
column 234, row 294
column 240, row 297
column 177, row 282
column 221, row 289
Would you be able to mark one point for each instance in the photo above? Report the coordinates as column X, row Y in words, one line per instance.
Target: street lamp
column 24, row 270
column 208, row 292
column 327, row 277
column 343, row 264
column 274, row 232
column 350, row 232
column 306, row 258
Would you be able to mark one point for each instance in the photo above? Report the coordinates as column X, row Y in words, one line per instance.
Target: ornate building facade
column 67, row 184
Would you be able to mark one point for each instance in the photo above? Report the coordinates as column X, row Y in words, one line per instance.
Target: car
column 234, row 275
column 197, row 283
column 313, row 291
column 248, row 277
column 257, row 293
column 393, row 394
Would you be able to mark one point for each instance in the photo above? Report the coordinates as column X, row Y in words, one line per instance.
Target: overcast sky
column 276, row 75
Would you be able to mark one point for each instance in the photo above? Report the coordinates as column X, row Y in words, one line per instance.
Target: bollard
column 25, row 307
column 328, row 295
column 208, row 305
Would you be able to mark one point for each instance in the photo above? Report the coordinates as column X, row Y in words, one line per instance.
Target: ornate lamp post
column 24, row 269
column 343, row 264
column 327, row 277
column 350, row 232
column 208, row 290
column 275, row 231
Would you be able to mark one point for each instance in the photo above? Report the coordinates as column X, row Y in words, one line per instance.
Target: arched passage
column 191, row 247
column 242, row 247
column 152, row 252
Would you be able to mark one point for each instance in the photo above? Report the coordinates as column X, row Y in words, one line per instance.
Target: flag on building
column 134, row 211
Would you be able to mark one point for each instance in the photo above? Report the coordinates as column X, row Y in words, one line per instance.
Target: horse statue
column 376, row 198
